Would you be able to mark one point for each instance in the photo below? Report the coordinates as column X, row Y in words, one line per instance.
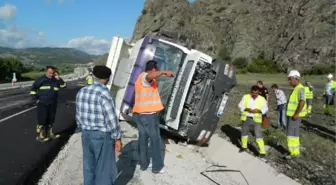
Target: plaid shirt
column 95, row 110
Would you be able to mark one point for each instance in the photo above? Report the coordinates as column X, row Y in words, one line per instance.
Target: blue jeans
column 148, row 126
column 281, row 116
column 99, row 161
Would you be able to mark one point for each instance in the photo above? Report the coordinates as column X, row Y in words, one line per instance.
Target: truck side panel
column 145, row 54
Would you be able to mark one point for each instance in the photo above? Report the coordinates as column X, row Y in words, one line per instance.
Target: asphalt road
column 22, row 159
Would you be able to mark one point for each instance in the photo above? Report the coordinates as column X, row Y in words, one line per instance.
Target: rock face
column 293, row 33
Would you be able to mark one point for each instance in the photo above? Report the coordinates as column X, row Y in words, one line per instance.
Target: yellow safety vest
column 90, row 80
column 309, row 94
column 257, row 117
column 293, row 102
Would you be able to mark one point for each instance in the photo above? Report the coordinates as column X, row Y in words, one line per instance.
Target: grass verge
column 252, row 78
column 317, row 162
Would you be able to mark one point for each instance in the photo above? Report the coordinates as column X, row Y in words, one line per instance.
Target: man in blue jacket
column 45, row 91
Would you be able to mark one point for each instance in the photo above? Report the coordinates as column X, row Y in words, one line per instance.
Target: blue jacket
column 46, row 89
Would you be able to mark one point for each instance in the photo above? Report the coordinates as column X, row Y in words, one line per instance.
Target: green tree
column 4, row 69
column 240, row 63
column 261, row 65
column 8, row 66
column 224, row 54
column 320, row 69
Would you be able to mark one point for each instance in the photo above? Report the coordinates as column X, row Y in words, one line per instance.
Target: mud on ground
column 316, row 166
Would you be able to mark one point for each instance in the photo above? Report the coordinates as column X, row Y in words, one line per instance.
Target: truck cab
column 194, row 99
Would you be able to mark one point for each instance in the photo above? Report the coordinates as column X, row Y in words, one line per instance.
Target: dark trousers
column 281, row 116
column 329, row 104
column 264, row 121
column 99, row 160
column 46, row 114
column 148, row 126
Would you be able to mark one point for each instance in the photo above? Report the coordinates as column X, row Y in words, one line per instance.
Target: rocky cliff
column 293, row 33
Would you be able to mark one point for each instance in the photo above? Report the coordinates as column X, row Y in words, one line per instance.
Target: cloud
column 7, row 12
column 15, row 36
column 58, row 1
column 19, row 37
column 40, row 36
column 90, row 45
column 12, row 35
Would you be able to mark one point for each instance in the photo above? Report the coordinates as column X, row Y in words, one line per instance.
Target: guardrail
column 78, row 73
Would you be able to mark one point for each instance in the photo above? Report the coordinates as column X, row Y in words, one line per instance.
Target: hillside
column 101, row 60
column 294, row 34
column 48, row 56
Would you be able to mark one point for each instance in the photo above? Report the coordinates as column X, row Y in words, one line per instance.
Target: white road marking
column 13, row 115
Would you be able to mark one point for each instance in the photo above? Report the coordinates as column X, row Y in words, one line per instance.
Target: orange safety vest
column 147, row 99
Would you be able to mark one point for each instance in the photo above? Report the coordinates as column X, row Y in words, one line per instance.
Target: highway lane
column 22, row 159
column 16, row 100
column 13, row 92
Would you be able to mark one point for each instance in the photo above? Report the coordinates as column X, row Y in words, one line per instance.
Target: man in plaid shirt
column 101, row 134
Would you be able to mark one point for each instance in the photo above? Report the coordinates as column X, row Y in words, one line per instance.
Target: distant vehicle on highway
column 194, row 99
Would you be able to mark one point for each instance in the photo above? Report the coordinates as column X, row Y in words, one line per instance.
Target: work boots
column 41, row 134
column 51, row 134
column 38, row 129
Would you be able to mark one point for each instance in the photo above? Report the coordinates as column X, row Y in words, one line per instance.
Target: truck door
column 121, row 66
column 179, row 94
column 119, row 50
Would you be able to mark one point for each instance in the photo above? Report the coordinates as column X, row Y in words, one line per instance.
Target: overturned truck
column 194, row 99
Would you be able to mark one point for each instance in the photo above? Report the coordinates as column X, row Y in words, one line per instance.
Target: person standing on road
column 89, row 79
column 45, row 91
column 264, row 93
column 296, row 110
column 329, row 96
column 101, row 133
column 281, row 106
column 309, row 97
column 252, row 107
column 147, row 105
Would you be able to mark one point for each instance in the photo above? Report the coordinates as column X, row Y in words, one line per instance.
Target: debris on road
column 179, row 156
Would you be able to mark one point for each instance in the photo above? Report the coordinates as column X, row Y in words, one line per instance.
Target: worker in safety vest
column 296, row 110
column 252, row 107
column 329, row 95
column 89, row 79
column 147, row 105
column 309, row 97
column 45, row 91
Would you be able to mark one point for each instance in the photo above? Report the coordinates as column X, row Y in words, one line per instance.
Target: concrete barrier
column 78, row 73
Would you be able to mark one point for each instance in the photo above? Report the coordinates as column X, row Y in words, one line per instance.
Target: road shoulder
column 184, row 165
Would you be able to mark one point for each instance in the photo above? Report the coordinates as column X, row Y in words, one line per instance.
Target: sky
column 88, row 25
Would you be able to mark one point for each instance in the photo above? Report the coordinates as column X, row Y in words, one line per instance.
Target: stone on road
column 183, row 165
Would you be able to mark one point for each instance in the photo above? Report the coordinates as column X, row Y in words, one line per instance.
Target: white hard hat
column 330, row 76
column 294, row 73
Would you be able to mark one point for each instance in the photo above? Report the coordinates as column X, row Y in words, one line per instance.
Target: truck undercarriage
column 205, row 101
column 194, row 99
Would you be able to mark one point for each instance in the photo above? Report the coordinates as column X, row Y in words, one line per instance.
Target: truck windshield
column 169, row 58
